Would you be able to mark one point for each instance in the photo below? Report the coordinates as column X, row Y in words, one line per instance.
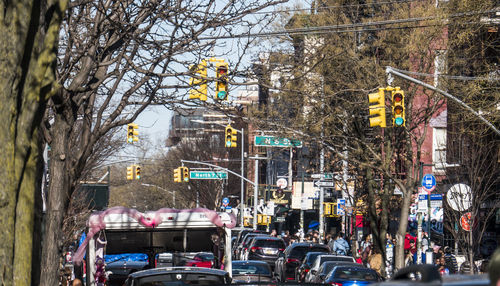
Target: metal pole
column 255, row 191
column 302, row 210
column 242, row 202
column 321, row 193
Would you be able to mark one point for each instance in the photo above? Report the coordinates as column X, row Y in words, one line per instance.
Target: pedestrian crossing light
column 398, row 107
column 132, row 133
column 221, row 69
column 377, row 109
column 137, row 172
column 130, row 172
column 198, row 81
column 231, row 138
column 177, row 175
column 185, row 174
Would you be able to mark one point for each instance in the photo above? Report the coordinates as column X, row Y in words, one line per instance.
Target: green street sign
column 207, row 175
column 271, row 141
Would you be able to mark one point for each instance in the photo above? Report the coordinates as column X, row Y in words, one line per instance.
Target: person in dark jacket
column 450, row 260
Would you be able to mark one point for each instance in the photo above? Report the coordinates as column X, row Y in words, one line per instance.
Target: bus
column 121, row 230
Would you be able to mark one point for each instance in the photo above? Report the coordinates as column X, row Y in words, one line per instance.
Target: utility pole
column 242, row 201
column 255, row 191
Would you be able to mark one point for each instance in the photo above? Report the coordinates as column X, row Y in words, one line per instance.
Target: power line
column 338, row 28
column 457, row 77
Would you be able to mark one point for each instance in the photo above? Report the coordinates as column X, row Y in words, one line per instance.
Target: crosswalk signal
column 137, row 172
column 231, row 138
column 198, row 81
column 130, row 172
column 398, row 107
column 221, row 69
column 378, row 108
column 132, row 133
column 185, row 174
column 177, row 175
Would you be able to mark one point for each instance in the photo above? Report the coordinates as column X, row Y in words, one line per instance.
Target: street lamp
column 242, row 132
column 158, row 187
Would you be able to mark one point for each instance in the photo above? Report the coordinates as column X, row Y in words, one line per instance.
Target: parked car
column 305, row 266
column 251, row 271
column 320, row 259
column 239, row 239
column 289, row 260
column 202, row 259
column 352, row 276
column 164, row 260
column 327, row 266
column 265, row 248
column 178, row 276
column 243, row 247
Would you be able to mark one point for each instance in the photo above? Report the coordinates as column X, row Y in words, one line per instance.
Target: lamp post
column 158, row 187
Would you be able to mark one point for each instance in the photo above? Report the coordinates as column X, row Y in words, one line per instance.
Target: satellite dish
column 459, row 197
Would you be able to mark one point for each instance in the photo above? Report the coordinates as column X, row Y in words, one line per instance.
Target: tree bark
column 400, row 235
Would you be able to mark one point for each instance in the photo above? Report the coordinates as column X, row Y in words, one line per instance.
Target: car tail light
column 255, row 248
column 292, row 260
column 290, row 278
column 306, row 270
column 336, row 284
column 281, row 249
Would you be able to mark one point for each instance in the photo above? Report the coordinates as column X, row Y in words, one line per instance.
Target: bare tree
column 116, row 58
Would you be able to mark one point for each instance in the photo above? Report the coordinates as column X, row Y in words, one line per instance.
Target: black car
column 352, row 275
column 178, row 276
column 305, row 266
column 243, row 247
column 325, row 268
column 289, row 260
column 251, row 271
column 239, row 239
column 119, row 270
column 265, row 248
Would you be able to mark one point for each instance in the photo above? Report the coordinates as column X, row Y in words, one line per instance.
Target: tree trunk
column 57, row 202
column 400, row 235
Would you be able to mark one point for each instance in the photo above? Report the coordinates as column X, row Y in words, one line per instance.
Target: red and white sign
column 465, row 221
column 282, row 183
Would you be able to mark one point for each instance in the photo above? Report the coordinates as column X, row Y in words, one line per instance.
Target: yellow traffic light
column 137, row 172
column 221, row 69
column 130, row 172
column 398, row 107
column 327, row 209
column 185, row 174
column 177, row 175
column 132, row 133
column 378, row 108
column 199, row 80
column 230, row 137
column 263, row 219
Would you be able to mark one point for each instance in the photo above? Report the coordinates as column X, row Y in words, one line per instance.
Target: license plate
column 270, row 251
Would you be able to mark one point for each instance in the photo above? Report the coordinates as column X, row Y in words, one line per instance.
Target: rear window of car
column 356, row 274
column 251, row 269
column 205, row 256
column 270, row 243
column 311, row 258
column 336, row 258
column 301, row 251
column 181, row 279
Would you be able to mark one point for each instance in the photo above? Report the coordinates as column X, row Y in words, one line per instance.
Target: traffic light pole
column 391, row 71
column 242, row 201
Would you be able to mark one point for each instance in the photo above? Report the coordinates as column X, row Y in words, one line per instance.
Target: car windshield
column 300, row 251
column 274, row 243
column 181, row 279
column 356, row 274
column 252, row 269
column 205, row 256
column 327, row 267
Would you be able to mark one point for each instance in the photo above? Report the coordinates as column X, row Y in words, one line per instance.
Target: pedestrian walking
column 375, row 260
column 450, row 260
column 340, row 245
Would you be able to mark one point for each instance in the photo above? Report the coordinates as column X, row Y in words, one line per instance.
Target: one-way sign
column 323, row 184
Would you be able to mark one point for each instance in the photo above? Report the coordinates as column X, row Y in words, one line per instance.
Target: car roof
column 314, row 244
column 267, row 238
column 249, row 262
column 177, row 269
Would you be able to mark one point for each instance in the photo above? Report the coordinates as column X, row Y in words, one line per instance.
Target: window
column 439, row 149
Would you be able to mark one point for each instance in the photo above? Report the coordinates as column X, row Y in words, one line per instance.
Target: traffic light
column 263, row 219
column 137, row 172
column 221, row 83
column 327, row 209
column 378, row 108
column 185, row 174
column 398, row 107
column 199, row 83
column 130, row 172
column 177, row 175
column 132, row 133
column 230, row 138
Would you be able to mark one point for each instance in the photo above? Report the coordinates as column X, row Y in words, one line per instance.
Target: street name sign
column 210, row 175
column 271, row 141
column 324, row 176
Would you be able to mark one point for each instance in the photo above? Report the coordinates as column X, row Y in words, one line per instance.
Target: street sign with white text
column 271, row 141
column 320, row 184
column 203, row 175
